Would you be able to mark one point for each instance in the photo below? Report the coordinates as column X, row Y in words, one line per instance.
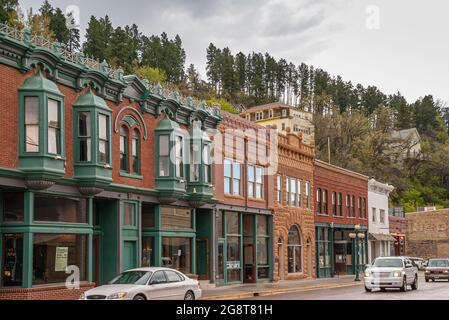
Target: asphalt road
column 438, row 290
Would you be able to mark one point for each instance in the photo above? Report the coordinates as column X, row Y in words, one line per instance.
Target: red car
column 437, row 269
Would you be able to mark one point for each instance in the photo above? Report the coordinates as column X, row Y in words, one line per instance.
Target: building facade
column 294, row 230
column 283, row 116
column 340, row 210
column 100, row 172
column 380, row 241
column 398, row 229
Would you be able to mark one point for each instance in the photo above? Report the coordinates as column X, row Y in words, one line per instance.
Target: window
column 12, row 260
column 135, row 151
column 279, row 188
column 284, row 112
column 59, row 209
column 318, row 201
column 359, row 204
column 52, row 253
column 129, row 214
column 164, row 156
column 340, row 204
column 178, row 157
column 84, row 136
column 32, row 124
column 293, row 192
column 103, row 140
column 232, row 223
column 176, row 253
column 334, row 203
column 270, row 113
column 148, row 252
column 364, row 208
column 283, row 126
column 299, row 193
column 172, row 276
column 54, row 128
column 262, row 246
column 123, row 148
column 294, row 251
column 325, row 207
column 255, row 182
column 374, row 214
column 232, row 177
column 348, row 210
column 13, row 208
column 207, row 163
column 195, row 163
column 382, row 216
column 353, row 206
column 307, row 194
column 159, row 277
column 148, row 217
column 176, row 218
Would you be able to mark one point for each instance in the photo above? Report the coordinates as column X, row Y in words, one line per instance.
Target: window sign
column 62, row 255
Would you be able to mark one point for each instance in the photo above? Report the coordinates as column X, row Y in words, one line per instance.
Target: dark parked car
column 437, row 269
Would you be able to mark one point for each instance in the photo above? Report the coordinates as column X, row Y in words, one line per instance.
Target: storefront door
column 248, row 261
column 340, row 257
column 202, row 256
column 129, row 255
column 221, row 262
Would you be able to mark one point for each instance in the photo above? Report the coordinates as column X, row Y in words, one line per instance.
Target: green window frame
column 164, row 155
column 135, row 152
column 84, row 136
column 124, row 146
column 103, row 138
column 207, row 163
column 54, row 126
column 32, row 124
column 179, row 153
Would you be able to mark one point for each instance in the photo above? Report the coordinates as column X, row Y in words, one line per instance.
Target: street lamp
column 357, row 236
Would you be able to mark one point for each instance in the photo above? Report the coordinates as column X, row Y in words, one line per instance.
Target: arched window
column 294, row 250
column 136, row 152
column 123, row 148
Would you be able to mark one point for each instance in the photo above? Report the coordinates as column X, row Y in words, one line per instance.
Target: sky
column 396, row 45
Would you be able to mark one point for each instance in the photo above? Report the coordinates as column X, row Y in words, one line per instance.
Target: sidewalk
column 242, row 291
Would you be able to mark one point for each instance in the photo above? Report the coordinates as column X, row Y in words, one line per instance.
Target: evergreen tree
column 240, row 71
column 193, row 78
column 7, row 10
column 58, row 26
column 98, row 35
column 212, row 66
column 74, row 43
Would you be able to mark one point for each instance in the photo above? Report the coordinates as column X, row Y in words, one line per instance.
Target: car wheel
column 139, row 297
column 368, row 289
column 383, row 289
column 433, row 280
column 415, row 284
column 189, row 296
column 404, row 285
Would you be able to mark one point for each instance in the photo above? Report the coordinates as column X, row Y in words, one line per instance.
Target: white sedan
column 147, row 284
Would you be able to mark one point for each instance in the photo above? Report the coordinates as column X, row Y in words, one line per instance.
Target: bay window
column 179, row 170
column 207, row 163
column 31, row 124
column 195, row 163
column 164, row 155
column 103, row 138
column 84, row 136
column 54, row 129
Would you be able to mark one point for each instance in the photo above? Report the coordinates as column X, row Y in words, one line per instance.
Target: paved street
column 427, row 291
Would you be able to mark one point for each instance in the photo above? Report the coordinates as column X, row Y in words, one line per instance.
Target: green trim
column 27, row 271
column 130, row 175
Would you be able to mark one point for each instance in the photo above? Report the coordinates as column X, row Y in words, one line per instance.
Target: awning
column 381, row 237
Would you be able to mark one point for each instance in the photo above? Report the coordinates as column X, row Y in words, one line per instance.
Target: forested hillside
column 357, row 119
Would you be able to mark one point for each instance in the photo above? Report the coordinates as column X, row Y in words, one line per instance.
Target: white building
column 380, row 239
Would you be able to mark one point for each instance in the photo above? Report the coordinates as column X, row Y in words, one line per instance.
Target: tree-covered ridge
column 357, row 120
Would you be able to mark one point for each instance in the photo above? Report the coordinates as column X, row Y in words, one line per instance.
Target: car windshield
column 395, row 263
column 132, row 277
column 438, row 263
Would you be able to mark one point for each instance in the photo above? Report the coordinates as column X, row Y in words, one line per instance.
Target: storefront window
column 323, row 248
column 248, row 225
column 262, row 251
column 176, row 253
column 262, row 225
column 129, row 216
column 232, row 223
column 176, row 218
column 59, row 209
column 12, row 206
column 233, row 259
column 147, row 251
column 294, row 251
column 148, row 218
column 53, row 253
column 12, row 260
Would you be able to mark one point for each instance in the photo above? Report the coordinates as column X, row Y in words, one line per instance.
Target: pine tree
column 193, row 78
column 98, row 35
column 240, row 71
column 212, row 66
column 7, row 9
column 74, row 43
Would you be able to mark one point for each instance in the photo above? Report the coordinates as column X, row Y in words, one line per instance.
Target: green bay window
column 54, row 127
column 123, row 148
column 207, row 164
column 164, row 155
column 31, row 124
column 179, row 164
column 103, row 138
column 195, row 156
column 84, row 136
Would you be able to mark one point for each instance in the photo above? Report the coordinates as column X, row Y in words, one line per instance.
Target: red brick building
column 398, row 230
column 340, row 207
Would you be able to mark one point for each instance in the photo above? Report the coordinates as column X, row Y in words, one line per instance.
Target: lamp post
column 357, row 236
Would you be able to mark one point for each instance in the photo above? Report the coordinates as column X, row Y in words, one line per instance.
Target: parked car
column 147, row 284
column 420, row 263
column 437, row 269
column 391, row 272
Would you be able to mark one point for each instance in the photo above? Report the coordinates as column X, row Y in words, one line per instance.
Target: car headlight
column 118, row 295
column 446, row 271
column 397, row 274
column 427, row 271
column 367, row 273
column 82, row 296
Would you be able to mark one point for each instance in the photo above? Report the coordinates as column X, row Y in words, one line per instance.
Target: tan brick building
column 294, row 231
column 428, row 234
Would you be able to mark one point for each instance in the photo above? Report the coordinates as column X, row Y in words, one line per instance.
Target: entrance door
column 202, row 259
column 96, row 260
column 249, row 272
column 129, row 255
column 340, row 257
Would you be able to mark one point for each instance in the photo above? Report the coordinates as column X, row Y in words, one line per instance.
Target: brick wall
column 428, row 234
column 44, row 293
column 398, row 225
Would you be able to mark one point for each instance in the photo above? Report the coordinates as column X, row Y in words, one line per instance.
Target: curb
column 276, row 292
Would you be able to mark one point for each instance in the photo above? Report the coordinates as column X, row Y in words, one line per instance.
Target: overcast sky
column 397, row 45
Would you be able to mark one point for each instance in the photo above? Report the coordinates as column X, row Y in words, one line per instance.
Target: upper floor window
column 348, row 205
column 84, row 136
column 359, row 205
column 135, row 151
column 340, row 204
column 124, row 148
column 195, row 162
column 325, row 208
column 374, row 214
column 232, row 177
column 54, row 127
column 270, row 113
column 382, row 216
column 364, row 208
column 334, row 203
column 353, row 206
column 318, row 201
column 293, row 192
column 179, row 157
column 103, row 138
column 32, row 124
column 284, row 112
column 307, row 194
column 164, row 155
column 279, row 188
column 299, row 193
column 255, row 182
column 207, row 163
